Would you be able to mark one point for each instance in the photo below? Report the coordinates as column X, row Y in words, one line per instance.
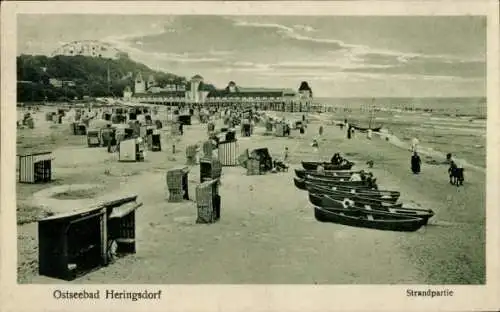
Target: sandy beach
column 267, row 233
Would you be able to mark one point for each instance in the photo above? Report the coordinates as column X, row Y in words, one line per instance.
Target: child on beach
column 285, row 155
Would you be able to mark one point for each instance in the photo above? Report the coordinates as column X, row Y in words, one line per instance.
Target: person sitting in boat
column 336, row 159
column 371, row 180
column 320, row 169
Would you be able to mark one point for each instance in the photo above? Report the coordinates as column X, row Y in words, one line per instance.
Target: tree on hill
column 92, row 76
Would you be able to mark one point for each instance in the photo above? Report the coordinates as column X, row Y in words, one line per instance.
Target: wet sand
column 267, row 233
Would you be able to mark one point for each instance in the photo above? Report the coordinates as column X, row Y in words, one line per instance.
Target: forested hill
column 85, row 76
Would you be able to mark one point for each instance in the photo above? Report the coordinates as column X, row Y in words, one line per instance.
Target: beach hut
column 253, row 167
column 78, row 128
column 208, row 148
column 72, row 244
column 208, row 202
column 35, row 167
column 130, row 151
column 108, row 136
column 191, row 155
column 121, row 225
column 177, row 184
column 210, row 169
column 155, row 141
column 269, row 128
column 228, row 153
column 185, row 119
column 280, row 130
column 243, row 158
column 175, row 129
column 94, row 138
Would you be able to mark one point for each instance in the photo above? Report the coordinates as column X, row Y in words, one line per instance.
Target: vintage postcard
column 250, row 156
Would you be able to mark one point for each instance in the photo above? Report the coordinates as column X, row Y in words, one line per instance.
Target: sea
column 442, row 125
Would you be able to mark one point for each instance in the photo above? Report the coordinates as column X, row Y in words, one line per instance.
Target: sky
column 339, row 56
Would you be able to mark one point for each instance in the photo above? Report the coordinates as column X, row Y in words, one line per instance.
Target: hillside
column 89, row 74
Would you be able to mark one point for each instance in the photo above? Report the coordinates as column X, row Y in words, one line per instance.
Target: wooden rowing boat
column 341, row 182
column 299, row 183
column 389, row 210
column 385, row 195
column 357, row 218
column 313, row 165
column 301, row 173
column 318, row 198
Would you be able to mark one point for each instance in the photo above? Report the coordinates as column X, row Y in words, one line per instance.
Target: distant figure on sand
column 349, row 132
column 369, row 134
column 415, row 163
column 315, row 145
column 320, row 131
column 302, row 130
column 455, row 171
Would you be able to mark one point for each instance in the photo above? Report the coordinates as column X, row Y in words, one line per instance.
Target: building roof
column 197, row 77
column 245, row 93
column 162, row 94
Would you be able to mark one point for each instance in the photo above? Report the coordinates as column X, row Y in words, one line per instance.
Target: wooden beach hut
column 210, row 169
column 72, row 244
column 208, row 202
column 94, row 138
column 75, row 243
column 121, row 226
column 130, row 150
column 228, row 153
column 35, row 167
column 191, row 151
column 177, row 184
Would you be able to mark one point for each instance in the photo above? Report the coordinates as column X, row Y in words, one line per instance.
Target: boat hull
column 301, row 173
column 386, row 195
column 300, row 183
column 313, row 165
column 355, row 218
column 340, row 182
column 321, row 199
column 328, row 203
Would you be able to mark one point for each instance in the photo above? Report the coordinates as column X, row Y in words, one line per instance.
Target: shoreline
column 393, row 139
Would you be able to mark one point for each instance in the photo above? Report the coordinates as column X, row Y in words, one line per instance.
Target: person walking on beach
column 415, row 163
column 349, row 132
column 320, row 131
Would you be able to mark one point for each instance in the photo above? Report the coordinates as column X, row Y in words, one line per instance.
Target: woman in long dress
column 415, row 163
